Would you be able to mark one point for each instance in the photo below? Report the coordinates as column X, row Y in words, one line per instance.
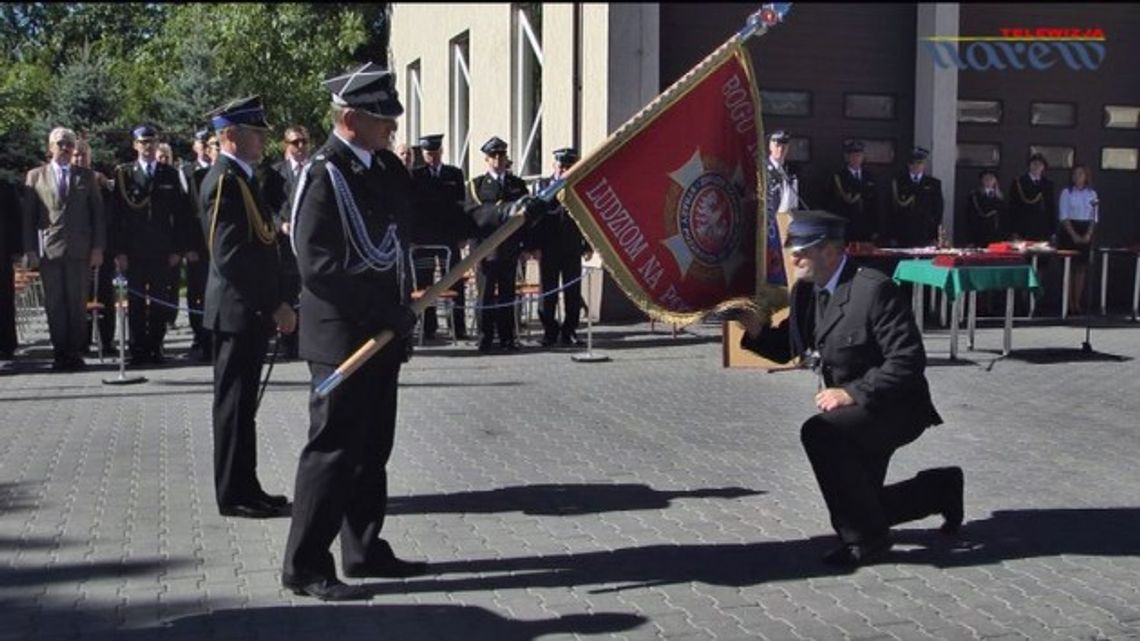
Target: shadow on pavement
column 378, row 622
column 1006, row 535
column 556, row 500
column 1059, row 355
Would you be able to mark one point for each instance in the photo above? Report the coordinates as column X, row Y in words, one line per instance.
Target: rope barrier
column 518, row 302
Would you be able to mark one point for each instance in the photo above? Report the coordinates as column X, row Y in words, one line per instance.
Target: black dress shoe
column 856, row 554
column 274, row 499
column 393, row 568
column 255, row 510
column 327, row 590
column 510, row 346
column 486, row 346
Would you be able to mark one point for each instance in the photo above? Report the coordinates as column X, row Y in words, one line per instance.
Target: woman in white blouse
column 1077, row 211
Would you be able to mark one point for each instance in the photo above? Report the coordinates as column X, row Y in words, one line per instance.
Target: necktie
column 62, row 182
column 822, row 297
column 150, row 170
column 858, row 175
column 915, row 179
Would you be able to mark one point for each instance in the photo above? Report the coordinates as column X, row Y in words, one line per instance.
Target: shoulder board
column 871, row 274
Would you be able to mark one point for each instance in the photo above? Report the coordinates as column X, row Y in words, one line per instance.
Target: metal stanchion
column 120, row 284
column 589, row 356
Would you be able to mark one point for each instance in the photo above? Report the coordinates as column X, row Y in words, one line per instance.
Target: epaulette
column 872, row 274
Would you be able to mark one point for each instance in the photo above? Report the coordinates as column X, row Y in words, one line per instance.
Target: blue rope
column 522, row 300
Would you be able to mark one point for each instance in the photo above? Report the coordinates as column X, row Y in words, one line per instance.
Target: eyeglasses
column 297, row 141
column 64, row 144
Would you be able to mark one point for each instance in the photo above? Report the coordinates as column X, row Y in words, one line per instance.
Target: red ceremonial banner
column 672, row 201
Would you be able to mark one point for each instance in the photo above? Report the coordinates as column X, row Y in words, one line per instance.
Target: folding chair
column 429, row 257
column 527, row 288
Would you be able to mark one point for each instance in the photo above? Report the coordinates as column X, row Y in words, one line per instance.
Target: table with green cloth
column 967, row 279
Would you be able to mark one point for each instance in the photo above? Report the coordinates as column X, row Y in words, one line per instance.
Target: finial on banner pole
column 769, row 15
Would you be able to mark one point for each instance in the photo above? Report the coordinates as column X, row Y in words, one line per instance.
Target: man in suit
column 562, row 248
column 440, row 220
column 489, row 199
column 1032, row 208
column 352, row 219
column 858, row 333
column 65, row 232
column 152, row 216
column 191, row 175
column 280, row 182
column 851, row 193
column 11, row 248
column 243, row 305
column 916, row 204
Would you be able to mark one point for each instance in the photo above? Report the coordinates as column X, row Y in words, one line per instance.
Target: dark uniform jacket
column 916, row 211
column 151, row 216
column 1032, row 209
column 488, row 204
column 986, row 218
column 855, row 200
column 243, row 286
column 277, row 189
column 439, row 215
column 556, row 233
column 867, row 341
column 341, row 307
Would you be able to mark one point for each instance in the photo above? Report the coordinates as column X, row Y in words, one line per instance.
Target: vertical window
column 528, row 89
column 460, row 101
column 415, row 94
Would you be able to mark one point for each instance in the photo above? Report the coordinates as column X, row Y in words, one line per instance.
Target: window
column 1121, row 117
column 460, row 101
column 415, row 93
column 979, row 154
column 1053, row 114
column 877, row 152
column 868, row 106
column 1056, row 157
column 984, row 112
column 785, row 103
column 799, row 150
column 528, row 89
column 1120, row 158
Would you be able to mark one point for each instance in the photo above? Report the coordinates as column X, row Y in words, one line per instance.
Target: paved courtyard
column 654, row 496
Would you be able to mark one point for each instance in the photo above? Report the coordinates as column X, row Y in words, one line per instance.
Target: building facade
column 543, row 76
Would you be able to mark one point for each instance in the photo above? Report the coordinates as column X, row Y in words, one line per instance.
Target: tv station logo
column 1021, row 49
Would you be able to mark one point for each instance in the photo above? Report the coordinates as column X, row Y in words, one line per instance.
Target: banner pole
column 120, row 283
column 369, row 349
column 589, row 356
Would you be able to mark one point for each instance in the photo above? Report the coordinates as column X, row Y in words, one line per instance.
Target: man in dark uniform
column 11, row 243
column 783, row 195
column 280, row 183
column 197, row 256
column 354, row 207
column 986, row 212
column 440, row 220
column 243, row 304
column 851, row 323
column 562, row 248
column 851, row 193
column 916, row 205
column 151, row 218
column 489, row 198
column 1032, row 209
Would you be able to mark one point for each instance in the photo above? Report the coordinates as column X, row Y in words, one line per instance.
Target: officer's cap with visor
column 247, row 112
column 566, row 156
column 779, row 137
column 852, row 146
column 812, row 227
column 369, row 88
column 431, row 142
column 144, row 133
column 494, row 146
column 918, row 154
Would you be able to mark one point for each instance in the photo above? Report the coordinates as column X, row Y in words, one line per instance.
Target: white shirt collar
column 240, row 163
column 916, row 177
column 203, row 164
column 145, row 166
column 854, row 171
column 834, row 281
column 58, row 167
column 363, row 154
column 497, row 177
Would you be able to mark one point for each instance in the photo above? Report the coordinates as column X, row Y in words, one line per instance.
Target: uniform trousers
column 196, row 274
column 499, row 291
column 850, row 449
column 66, row 283
column 237, row 374
column 342, row 483
column 7, row 307
column 148, row 274
column 551, row 268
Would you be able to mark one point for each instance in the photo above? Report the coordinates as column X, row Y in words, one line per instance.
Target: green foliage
column 104, row 68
